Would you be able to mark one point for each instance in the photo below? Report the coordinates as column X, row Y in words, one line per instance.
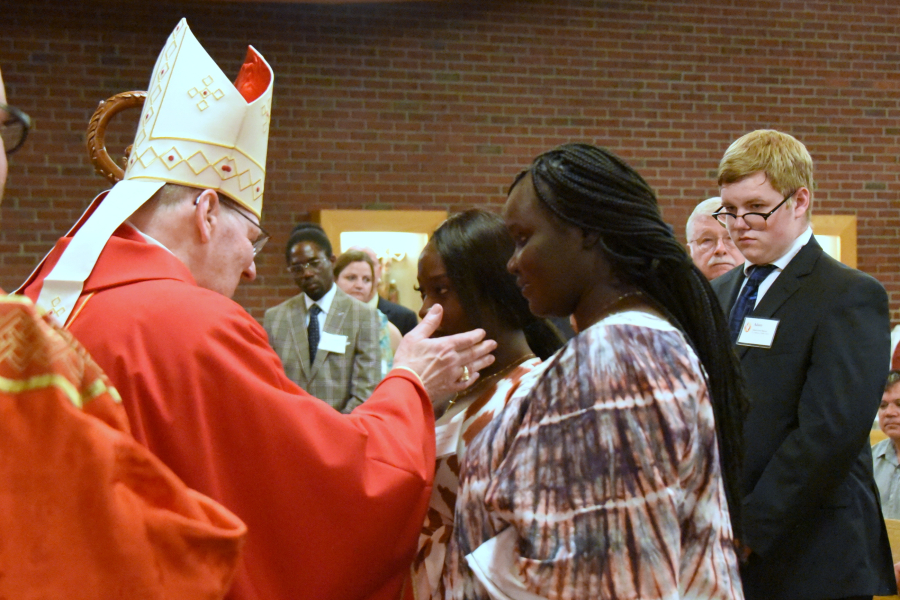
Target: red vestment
column 333, row 503
column 85, row 511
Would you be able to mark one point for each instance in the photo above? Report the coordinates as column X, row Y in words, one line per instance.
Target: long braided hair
column 593, row 189
column 475, row 247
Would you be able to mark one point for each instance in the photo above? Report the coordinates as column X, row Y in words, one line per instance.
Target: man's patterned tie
column 746, row 302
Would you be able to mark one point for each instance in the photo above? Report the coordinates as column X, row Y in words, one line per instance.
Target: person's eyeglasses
column 297, row 268
column 13, row 127
column 708, row 244
column 754, row 220
column 263, row 235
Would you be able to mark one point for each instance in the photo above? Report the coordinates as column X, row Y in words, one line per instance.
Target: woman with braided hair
column 613, row 477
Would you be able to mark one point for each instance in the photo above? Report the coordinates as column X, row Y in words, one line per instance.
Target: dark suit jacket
column 811, row 511
column 403, row 318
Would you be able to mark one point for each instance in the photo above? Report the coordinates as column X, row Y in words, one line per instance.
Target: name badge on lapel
column 757, row 332
column 333, row 342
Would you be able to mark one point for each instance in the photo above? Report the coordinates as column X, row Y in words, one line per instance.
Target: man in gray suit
column 327, row 341
column 812, row 336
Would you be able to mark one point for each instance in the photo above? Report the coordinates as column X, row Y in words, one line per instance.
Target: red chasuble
column 333, row 503
column 85, row 511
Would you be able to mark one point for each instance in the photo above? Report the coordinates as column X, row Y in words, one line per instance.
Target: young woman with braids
column 613, row 477
column 463, row 268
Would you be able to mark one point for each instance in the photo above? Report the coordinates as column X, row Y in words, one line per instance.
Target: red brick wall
column 438, row 105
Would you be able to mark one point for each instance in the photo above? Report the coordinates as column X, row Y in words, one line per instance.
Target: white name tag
column 757, row 332
column 447, row 436
column 333, row 342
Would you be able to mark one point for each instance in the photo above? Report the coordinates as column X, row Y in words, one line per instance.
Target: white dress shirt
column 324, row 303
column 780, row 264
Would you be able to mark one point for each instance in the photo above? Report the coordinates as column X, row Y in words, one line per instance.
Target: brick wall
column 438, row 105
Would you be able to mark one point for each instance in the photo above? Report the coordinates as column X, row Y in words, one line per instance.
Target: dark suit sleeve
column 845, row 370
column 366, row 369
column 403, row 318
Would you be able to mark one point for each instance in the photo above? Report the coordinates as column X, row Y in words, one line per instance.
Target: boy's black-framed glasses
column 754, row 220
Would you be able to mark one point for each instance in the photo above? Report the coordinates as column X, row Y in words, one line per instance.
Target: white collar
column 324, row 302
column 788, row 256
column 147, row 238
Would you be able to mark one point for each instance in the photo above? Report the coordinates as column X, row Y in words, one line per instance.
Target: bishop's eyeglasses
column 14, row 126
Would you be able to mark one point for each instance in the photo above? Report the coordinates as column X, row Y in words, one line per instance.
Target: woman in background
column 354, row 273
column 463, row 268
column 613, row 477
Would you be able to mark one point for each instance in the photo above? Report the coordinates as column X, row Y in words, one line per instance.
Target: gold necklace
column 608, row 306
column 482, row 383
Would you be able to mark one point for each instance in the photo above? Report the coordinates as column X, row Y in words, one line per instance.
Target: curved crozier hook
column 96, row 133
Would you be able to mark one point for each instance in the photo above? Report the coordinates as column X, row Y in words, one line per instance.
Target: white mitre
column 196, row 129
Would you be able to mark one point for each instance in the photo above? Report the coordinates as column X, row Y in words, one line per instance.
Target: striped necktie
column 746, row 302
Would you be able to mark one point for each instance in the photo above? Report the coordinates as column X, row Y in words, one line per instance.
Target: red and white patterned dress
column 455, row 429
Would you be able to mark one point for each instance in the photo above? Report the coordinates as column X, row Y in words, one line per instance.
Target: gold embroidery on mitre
column 245, row 180
column 205, row 93
column 172, row 158
column 146, row 162
column 226, row 168
column 198, row 162
column 266, row 113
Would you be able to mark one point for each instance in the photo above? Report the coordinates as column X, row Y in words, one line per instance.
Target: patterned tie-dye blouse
column 602, row 483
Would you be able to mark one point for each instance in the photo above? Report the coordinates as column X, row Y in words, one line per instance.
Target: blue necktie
column 746, row 302
column 312, row 332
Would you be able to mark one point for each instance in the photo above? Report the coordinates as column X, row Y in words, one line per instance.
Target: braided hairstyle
column 475, row 247
column 596, row 191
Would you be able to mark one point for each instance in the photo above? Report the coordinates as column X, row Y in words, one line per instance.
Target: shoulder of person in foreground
column 81, row 481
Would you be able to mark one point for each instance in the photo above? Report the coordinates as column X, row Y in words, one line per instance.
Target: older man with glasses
column 86, row 511
column 710, row 246
column 813, row 338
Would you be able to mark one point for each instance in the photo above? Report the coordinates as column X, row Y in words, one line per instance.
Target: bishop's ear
column 206, row 214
